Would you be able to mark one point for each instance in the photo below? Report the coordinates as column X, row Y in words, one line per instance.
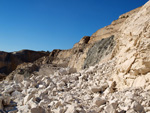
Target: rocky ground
column 88, row 91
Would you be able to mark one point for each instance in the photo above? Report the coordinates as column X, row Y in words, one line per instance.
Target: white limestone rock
column 24, row 109
column 16, row 94
column 9, row 89
column 112, row 108
column 28, row 97
column 31, row 103
column 26, row 83
column 71, row 109
column 104, row 86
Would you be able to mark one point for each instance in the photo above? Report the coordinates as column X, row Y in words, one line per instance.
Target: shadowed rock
column 99, row 50
column 9, row 61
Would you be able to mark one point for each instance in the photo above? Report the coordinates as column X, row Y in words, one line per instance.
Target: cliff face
column 129, row 45
column 79, row 55
column 132, row 50
column 9, row 61
column 112, row 29
column 74, row 57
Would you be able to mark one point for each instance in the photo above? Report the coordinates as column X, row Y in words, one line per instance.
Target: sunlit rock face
column 113, row 28
column 132, row 50
column 99, row 51
column 76, row 56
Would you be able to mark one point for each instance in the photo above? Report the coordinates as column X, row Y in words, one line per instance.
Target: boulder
column 99, row 101
column 111, row 108
column 24, row 108
column 27, row 98
column 141, row 80
column 9, row 89
column 137, row 107
column 71, row 109
column 95, row 89
column 103, row 87
column 100, row 89
column 16, row 94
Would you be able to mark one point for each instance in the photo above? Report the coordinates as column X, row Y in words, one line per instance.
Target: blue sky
column 55, row 24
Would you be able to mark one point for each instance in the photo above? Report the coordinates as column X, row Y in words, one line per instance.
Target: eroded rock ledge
column 9, row 61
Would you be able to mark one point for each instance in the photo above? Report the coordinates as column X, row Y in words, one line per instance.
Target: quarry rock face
column 108, row 72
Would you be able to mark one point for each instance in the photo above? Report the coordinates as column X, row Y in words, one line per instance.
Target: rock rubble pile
column 89, row 91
